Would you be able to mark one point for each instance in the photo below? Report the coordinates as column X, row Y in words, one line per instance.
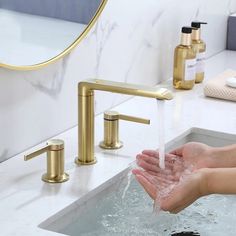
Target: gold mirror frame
column 67, row 50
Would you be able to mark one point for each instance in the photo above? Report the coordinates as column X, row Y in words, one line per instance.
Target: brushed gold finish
column 55, row 161
column 67, row 50
column 134, row 119
column 86, row 88
column 111, row 128
column 86, row 110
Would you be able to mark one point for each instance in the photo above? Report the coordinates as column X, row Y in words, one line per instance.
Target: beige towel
column 218, row 89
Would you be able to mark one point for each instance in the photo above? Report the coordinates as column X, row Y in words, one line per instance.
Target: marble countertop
column 26, row 201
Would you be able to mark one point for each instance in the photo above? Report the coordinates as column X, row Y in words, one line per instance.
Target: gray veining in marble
column 102, row 32
column 57, row 79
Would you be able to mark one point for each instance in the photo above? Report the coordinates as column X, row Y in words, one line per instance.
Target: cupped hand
column 173, row 192
column 181, row 182
column 197, row 155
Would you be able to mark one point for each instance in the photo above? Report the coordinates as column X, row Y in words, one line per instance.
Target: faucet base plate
column 112, row 146
column 57, row 179
column 82, row 163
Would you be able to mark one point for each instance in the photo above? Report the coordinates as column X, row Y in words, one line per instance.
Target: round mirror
column 36, row 33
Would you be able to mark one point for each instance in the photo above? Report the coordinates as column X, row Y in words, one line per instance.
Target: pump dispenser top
column 197, row 24
column 187, row 29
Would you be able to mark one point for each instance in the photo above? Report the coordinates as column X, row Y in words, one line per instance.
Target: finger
column 137, row 171
column 170, row 160
column 170, row 173
column 149, row 187
column 159, row 181
column 170, row 157
column 153, row 159
column 162, row 178
column 152, row 153
column 146, row 166
column 155, row 154
column 148, row 175
column 170, row 179
column 145, row 174
column 150, row 159
column 177, row 151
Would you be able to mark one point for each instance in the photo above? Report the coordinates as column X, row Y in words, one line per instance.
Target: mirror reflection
column 35, row 31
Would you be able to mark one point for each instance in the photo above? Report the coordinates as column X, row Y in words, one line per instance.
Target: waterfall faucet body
column 86, row 110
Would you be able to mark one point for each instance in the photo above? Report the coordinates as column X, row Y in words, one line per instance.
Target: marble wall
column 133, row 42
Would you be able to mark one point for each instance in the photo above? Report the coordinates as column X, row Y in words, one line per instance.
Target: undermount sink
column 111, row 210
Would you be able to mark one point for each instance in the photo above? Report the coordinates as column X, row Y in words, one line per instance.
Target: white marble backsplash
column 133, row 42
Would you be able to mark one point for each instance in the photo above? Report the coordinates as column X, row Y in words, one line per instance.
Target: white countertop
column 26, row 201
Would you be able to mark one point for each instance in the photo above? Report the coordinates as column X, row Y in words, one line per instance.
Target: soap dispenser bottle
column 184, row 62
column 199, row 47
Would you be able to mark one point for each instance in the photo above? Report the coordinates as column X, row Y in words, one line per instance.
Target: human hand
column 197, row 155
column 201, row 155
column 149, row 161
column 171, row 189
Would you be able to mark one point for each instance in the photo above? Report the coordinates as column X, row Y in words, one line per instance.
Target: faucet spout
column 86, row 110
column 86, row 88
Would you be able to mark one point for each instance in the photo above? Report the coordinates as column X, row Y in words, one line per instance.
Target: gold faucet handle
column 113, row 115
column 55, row 161
column 134, row 119
column 111, row 128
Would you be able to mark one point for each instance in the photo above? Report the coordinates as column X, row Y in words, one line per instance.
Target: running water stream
column 161, row 133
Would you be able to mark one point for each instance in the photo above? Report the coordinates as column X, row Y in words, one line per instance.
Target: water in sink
column 110, row 212
column 132, row 215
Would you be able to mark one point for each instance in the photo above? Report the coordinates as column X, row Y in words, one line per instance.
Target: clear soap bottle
column 199, row 47
column 184, row 62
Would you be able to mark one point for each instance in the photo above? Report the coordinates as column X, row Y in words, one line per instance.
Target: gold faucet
column 55, row 161
column 86, row 110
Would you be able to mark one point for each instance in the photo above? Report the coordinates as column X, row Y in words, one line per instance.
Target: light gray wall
column 80, row 11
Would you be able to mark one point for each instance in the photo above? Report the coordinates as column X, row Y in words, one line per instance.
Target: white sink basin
column 105, row 212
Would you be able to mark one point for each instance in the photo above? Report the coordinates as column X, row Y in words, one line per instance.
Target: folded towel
column 217, row 87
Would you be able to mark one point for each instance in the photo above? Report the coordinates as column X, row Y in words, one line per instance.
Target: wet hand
column 149, row 161
column 172, row 191
column 197, row 155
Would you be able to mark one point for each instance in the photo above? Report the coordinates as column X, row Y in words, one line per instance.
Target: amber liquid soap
column 184, row 62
